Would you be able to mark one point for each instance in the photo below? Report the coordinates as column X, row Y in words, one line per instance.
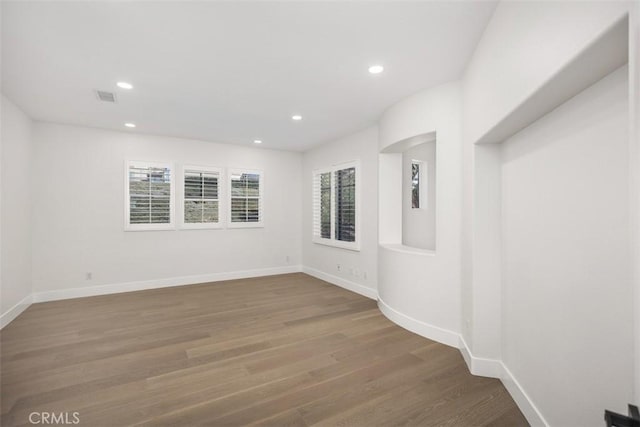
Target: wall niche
column 408, row 168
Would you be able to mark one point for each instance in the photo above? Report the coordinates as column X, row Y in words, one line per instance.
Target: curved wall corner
column 420, row 290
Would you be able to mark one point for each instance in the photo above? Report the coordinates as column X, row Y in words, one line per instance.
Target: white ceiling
column 232, row 71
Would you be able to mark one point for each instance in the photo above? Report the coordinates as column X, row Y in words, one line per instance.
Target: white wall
column 419, row 225
column 523, row 47
column 634, row 162
column 484, row 321
column 78, row 211
column 524, row 44
column 567, row 287
column 16, row 213
column 358, row 269
column 424, row 288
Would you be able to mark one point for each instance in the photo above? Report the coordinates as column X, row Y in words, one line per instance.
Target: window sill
column 398, row 247
column 245, row 225
column 149, row 227
column 351, row 246
column 201, row 226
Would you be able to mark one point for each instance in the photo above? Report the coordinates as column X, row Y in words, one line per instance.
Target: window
column 149, row 189
column 201, row 201
column 335, row 206
column 418, row 184
column 325, row 205
column 245, row 209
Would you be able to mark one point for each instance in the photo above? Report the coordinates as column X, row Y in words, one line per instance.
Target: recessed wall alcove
column 540, row 243
column 418, row 268
column 410, row 169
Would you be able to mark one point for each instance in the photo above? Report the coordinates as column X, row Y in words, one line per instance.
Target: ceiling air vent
column 106, row 96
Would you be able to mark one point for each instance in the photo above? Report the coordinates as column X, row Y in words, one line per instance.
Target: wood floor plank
column 288, row 350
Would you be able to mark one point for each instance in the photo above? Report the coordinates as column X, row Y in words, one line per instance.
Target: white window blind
column 322, row 204
column 201, row 207
column 245, row 209
column 149, row 196
column 345, row 205
column 335, row 206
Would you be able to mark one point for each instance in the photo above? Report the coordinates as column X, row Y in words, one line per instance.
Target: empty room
column 320, row 213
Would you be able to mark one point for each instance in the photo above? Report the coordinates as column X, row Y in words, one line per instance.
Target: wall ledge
column 411, row 250
column 605, row 54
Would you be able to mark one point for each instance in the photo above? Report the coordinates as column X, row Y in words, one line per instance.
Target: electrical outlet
column 287, row 259
column 339, row 267
column 88, row 276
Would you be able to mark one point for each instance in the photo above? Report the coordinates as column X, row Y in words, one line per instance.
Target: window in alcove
column 418, row 196
column 419, row 184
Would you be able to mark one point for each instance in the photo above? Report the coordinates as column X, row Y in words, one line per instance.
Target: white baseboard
column 15, row 311
column 116, row 288
column 343, row 283
column 480, row 366
column 531, row 413
column 426, row 330
column 477, row 366
column 495, row 368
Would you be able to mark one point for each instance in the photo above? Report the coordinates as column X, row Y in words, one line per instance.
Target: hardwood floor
column 286, row 350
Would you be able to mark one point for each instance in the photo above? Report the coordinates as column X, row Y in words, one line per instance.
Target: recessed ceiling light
column 296, row 117
column 376, row 69
column 124, row 85
column 257, row 141
column 130, row 125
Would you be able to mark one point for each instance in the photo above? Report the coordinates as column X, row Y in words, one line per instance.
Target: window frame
column 423, row 182
column 171, row 225
column 221, row 198
column 332, row 241
column 229, row 198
